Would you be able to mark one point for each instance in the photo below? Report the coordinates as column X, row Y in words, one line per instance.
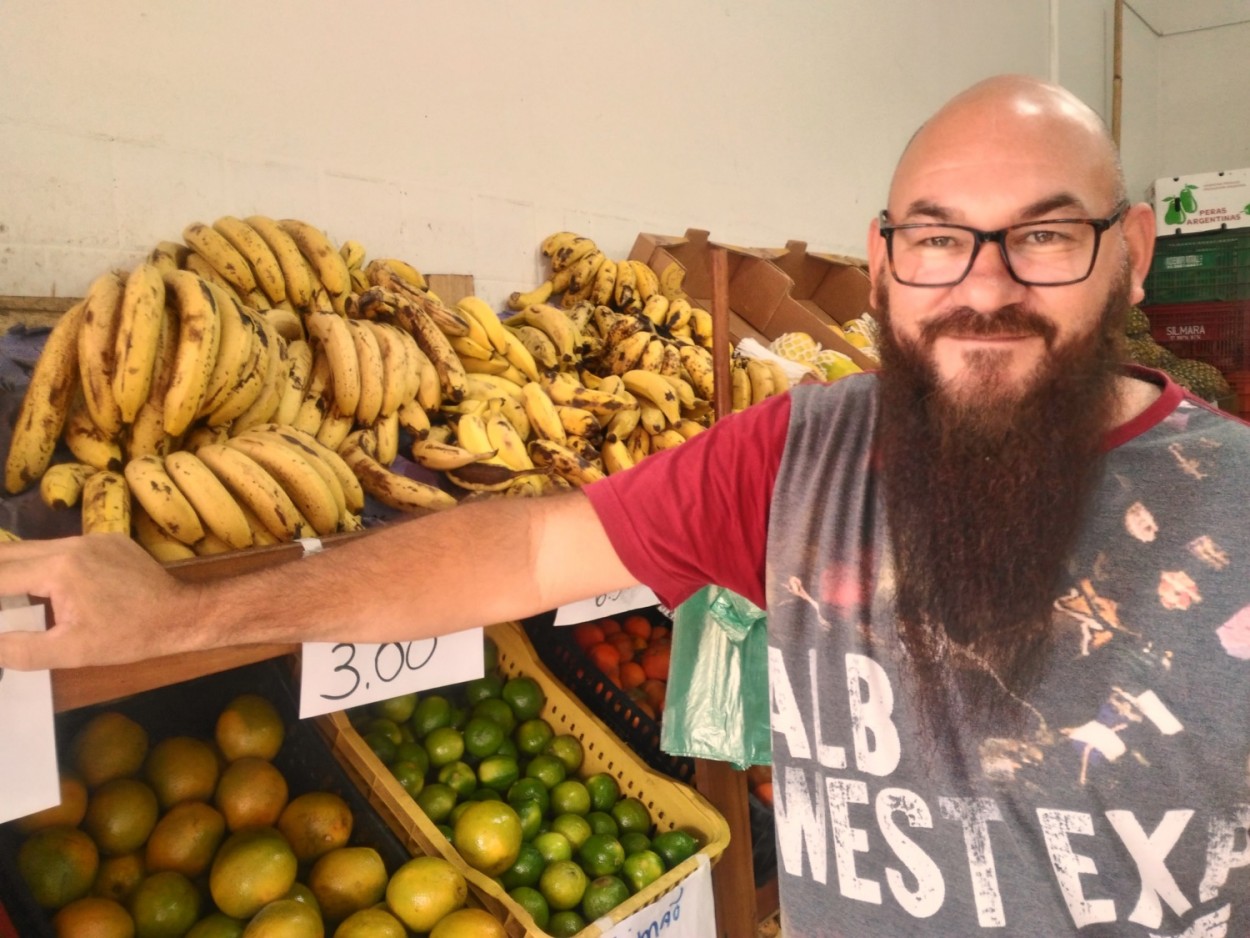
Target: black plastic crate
column 190, row 709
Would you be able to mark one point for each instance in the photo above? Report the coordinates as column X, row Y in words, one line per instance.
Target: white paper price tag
column 339, row 675
column 606, row 604
column 685, row 911
column 28, row 776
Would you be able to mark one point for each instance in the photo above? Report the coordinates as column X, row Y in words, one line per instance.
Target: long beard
column 985, row 491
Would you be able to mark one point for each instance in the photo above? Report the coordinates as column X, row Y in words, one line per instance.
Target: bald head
column 1008, row 125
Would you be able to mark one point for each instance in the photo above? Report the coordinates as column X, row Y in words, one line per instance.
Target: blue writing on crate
column 670, row 917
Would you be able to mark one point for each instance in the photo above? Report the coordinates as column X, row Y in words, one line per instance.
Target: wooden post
column 1117, row 73
column 722, row 392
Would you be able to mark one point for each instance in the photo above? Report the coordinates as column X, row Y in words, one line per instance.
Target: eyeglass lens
column 1041, row 253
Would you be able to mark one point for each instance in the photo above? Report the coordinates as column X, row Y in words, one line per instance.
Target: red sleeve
column 698, row 514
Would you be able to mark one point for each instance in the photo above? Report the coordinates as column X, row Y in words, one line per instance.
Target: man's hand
column 109, row 599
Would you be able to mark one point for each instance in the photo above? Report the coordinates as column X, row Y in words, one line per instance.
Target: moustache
column 1013, row 320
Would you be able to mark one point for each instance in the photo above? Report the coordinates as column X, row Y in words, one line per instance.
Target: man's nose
column 989, row 284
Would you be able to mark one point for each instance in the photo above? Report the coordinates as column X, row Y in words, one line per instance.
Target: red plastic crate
column 1217, row 333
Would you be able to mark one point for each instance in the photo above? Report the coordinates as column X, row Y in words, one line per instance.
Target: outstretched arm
column 476, row 564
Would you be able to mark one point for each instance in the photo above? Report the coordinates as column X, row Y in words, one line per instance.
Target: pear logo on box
column 1181, row 206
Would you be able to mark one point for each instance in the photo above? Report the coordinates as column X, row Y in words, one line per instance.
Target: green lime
column 529, row 789
column 532, row 736
column 430, row 713
column 602, row 823
column 410, row 777
column 570, row 797
column 568, row 749
column 603, row 894
column 641, row 869
column 480, row 688
column 601, row 855
column 524, row 696
column 531, row 816
column 445, row 744
column 508, row 748
column 412, row 751
column 564, row 923
column 437, row 800
column 674, row 847
column 532, row 901
column 482, row 737
column 459, row 809
column 563, row 883
column 382, row 745
column 398, row 708
column 553, row 846
column 632, row 815
column 459, row 777
column 498, row 772
column 526, row 870
column 405, row 733
column 635, row 842
column 459, row 717
column 547, row 769
column 573, row 826
column 604, row 790
column 485, row 794
column 388, row 727
column 492, row 708
column 446, row 831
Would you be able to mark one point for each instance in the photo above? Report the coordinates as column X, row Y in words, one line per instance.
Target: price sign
column 28, row 783
column 606, row 604
column 339, row 675
column 685, row 911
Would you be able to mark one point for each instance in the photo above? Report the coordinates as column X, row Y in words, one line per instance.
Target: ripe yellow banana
column 256, row 490
column 656, row 309
column 105, row 504
column 625, row 354
column 478, row 310
column 88, row 442
column 146, row 434
column 520, row 357
column 301, row 481
column 151, row 486
column 471, row 434
column 260, row 257
column 570, row 252
column 353, row 254
column 666, row 439
column 199, row 332
column 577, row 421
column 672, row 279
column 61, row 485
column 625, row 290
column 353, row 494
column 433, row 342
column 396, row 491
column 698, row 364
column 236, row 353
column 468, row 348
column 396, row 368
column 46, row 403
column 685, row 391
column 295, row 274
column 442, row 456
column 272, row 388
column 287, row 323
column 564, row 461
column 639, row 444
column 247, row 388
column 679, row 313
column 299, row 367
column 701, row 323
column 508, row 444
column 650, row 417
column 584, row 272
column 158, row 544
column 540, row 294
column 623, row 423
column 484, row 387
column 168, row 256
column 539, row 346
column 334, row 338
column 137, row 339
column 554, row 242
column 555, row 323
column 97, row 359
column 605, row 282
column 761, row 378
column 335, row 427
column 616, row 456
column 670, row 364
column 386, row 434
column 223, row 258
column 781, row 381
column 372, row 372
column 405, row 272
column 648, row 283
column 741, row 391
column 414, row 419
column 321, row 253
column 652, row 356
column 542, row 414
column 487, row 476
column 216, row 508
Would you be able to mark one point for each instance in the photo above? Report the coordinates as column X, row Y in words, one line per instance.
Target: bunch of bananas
column 250, row 386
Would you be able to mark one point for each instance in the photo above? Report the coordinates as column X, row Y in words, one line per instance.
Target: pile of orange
column 633, row 653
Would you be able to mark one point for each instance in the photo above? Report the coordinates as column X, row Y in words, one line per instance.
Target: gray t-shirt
column 1120, row 806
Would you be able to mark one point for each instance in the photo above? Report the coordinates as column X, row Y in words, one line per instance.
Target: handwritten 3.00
column 389, row 662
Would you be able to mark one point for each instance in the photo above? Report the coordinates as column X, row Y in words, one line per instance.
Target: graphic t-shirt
column 1118, row 801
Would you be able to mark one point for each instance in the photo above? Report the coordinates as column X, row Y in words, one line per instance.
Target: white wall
column 457, row 135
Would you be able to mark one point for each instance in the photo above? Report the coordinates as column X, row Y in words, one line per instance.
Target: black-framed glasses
column 1051, row 253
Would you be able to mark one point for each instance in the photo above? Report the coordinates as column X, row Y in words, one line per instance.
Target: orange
column 424, row 890
column 120, row 815
column 655, row 662
column 251, row 793
column 285, row 918
column 764, row 792
column 58, row 865
column 165, row 905
column 249, row 726
column 316, row 823
column 468, row 923
column 624, row 646
column 93, row 917
column 117, row 877
column 371, row 923
column 185, row 839
column 587, row 634
column 637, row 626
column 69, row 813
column 253, row 868
column 609, row 626
column 488, row 835
column 110, row 745
column 182, row 768
column 632, row 674
column 347, row 880
column 605, row 656
column 217, row 925
column 655, row 691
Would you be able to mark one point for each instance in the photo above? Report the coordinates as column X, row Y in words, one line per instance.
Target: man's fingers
column 23, row 651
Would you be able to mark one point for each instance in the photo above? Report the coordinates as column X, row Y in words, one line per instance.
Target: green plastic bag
column 717, row 701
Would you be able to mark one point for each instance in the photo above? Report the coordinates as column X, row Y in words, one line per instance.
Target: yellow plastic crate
column 672, row 804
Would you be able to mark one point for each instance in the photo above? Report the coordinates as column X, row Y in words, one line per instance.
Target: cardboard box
column 1201, row 202
column 764, row 300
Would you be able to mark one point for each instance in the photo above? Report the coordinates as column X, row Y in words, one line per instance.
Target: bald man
column 1006, row 577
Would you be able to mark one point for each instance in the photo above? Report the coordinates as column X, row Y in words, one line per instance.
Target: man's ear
column 876, row 261
column 1139, row 236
